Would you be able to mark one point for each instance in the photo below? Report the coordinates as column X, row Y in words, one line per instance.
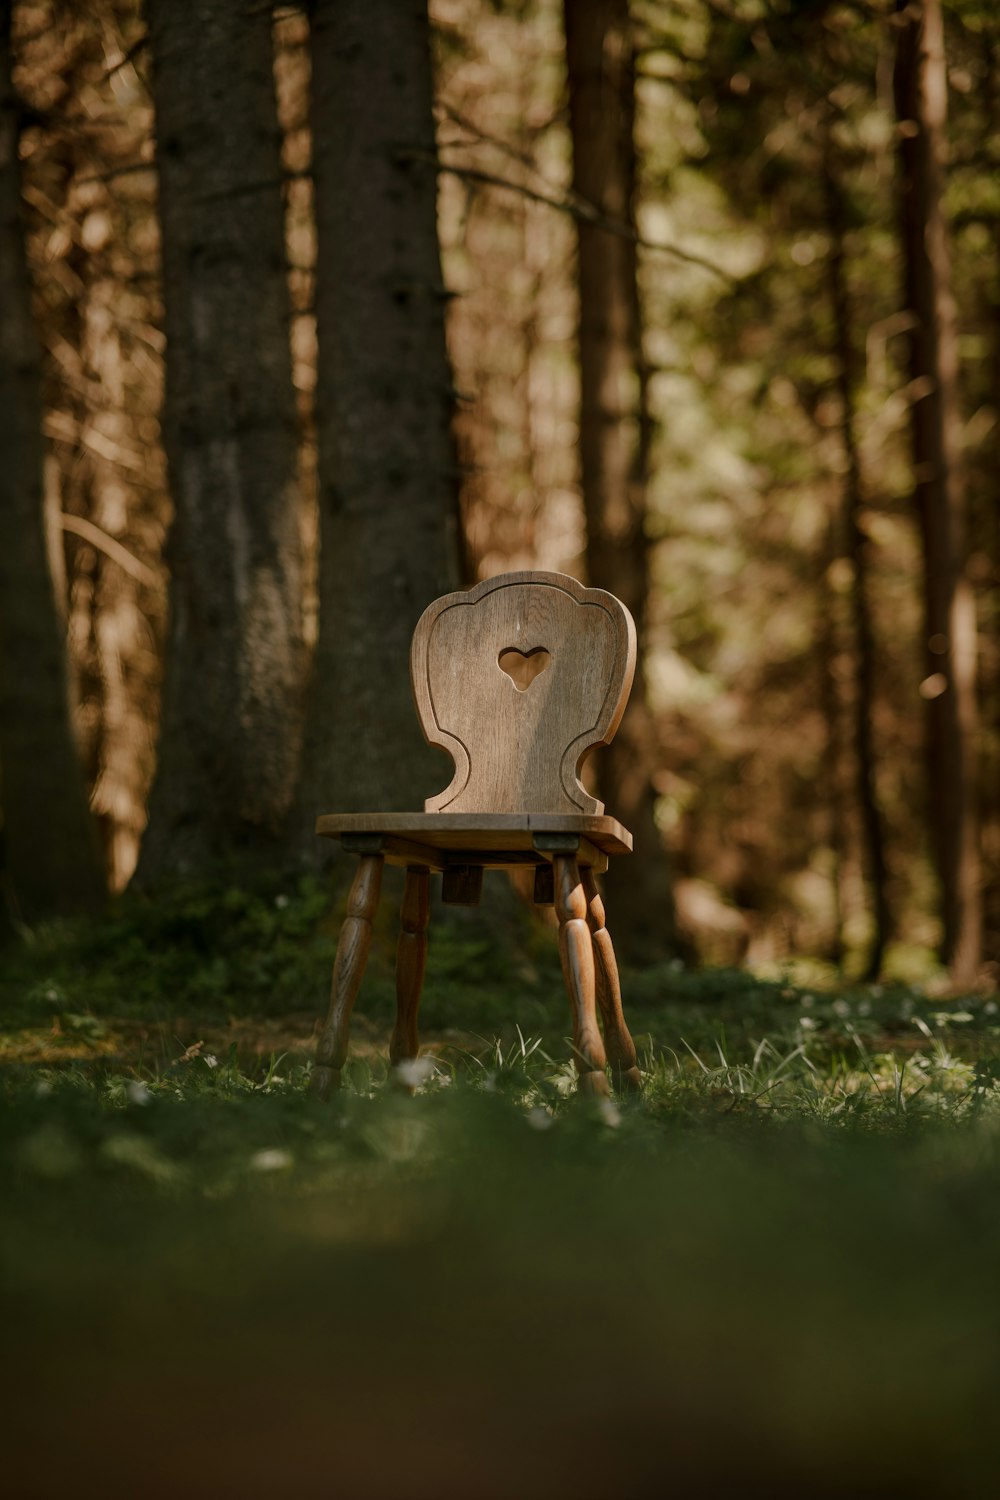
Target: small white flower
column 610, row 1113
column 137, row 1093
column 990, row 1008
column 539, row 1118
column 841, row 1008
column 281, row 902
column 807, row 1023
column 273, row 1159
column 413, row 1071
column 210, row 1060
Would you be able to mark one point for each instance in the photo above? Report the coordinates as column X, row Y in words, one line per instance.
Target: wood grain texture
column 411, row 959
column 617, row 1038
column 514, row 830
column 517, row 678
column 577, row 953
column 348, row 970
column 400, row 851
column 462, row 885
column 520, row 750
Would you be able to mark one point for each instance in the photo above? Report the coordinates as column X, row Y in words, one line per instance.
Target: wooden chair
column 517, row 679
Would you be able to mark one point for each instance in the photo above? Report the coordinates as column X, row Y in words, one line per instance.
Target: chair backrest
column 517, row 679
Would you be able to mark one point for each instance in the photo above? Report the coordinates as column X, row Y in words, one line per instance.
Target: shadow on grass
column 776, row 1275
column 454, row 1295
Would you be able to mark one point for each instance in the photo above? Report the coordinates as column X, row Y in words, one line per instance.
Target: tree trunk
column 232, row 696
column 989, row 531
column 920, row 87
column 387, row 477
column 614, row 437
column 50, row 854
column 828, row 642
column 855, row 544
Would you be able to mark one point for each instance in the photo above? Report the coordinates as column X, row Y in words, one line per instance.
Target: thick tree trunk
column 232, row 697
column 614, row 437
column 50, row 854
column 949, row 686
column 855, row 544
column 387, row 479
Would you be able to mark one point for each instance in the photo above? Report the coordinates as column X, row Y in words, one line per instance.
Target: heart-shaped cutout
column 522, row 667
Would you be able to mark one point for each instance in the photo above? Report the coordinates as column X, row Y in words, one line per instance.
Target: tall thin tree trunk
column 615, row 434
column 232, row 697
column 949, row 684
column 50, row 854
column 856, row 547
column 828, row 642
column 990, row 530
column 387, row 476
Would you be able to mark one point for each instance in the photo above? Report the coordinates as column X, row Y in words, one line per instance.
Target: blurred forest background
column 308, row 316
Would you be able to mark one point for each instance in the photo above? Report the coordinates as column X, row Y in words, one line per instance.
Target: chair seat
column 500, row 840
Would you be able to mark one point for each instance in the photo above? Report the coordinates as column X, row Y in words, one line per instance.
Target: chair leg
column 411, row 956
column 577, row 953
column 348, row 968
column 621, row 1048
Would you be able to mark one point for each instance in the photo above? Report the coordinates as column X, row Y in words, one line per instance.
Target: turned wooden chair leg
column 577, row 953
column 617, row 1039
column 348, row 968
column 411, row 957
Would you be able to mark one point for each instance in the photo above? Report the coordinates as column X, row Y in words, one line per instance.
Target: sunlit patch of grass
column 712, row 1041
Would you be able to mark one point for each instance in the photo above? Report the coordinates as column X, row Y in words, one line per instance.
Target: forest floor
column 774, row 1274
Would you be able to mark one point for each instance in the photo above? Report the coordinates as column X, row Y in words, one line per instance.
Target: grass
column 776, row 1274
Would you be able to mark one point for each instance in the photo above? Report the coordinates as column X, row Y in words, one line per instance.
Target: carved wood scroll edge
column 600, row 733
column 612, row 709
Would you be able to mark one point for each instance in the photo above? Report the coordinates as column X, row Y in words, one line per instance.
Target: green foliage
column 260, row 950
column 216, row 951
column 249, row 968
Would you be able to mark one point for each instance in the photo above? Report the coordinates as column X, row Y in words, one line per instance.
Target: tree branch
column 81, row 527
column 567, row 203
column 113, row 172
column 578, row 208
column 139, row 46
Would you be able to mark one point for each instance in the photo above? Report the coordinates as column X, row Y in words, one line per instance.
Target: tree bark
column 949, row 683
column 855, row 544
column 387, row 475
column 828, row 642
column 614, row 438
column 989, row 527
column 50, row 859
column 232, row 695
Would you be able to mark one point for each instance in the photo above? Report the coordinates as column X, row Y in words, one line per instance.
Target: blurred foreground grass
column 776, row 1275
